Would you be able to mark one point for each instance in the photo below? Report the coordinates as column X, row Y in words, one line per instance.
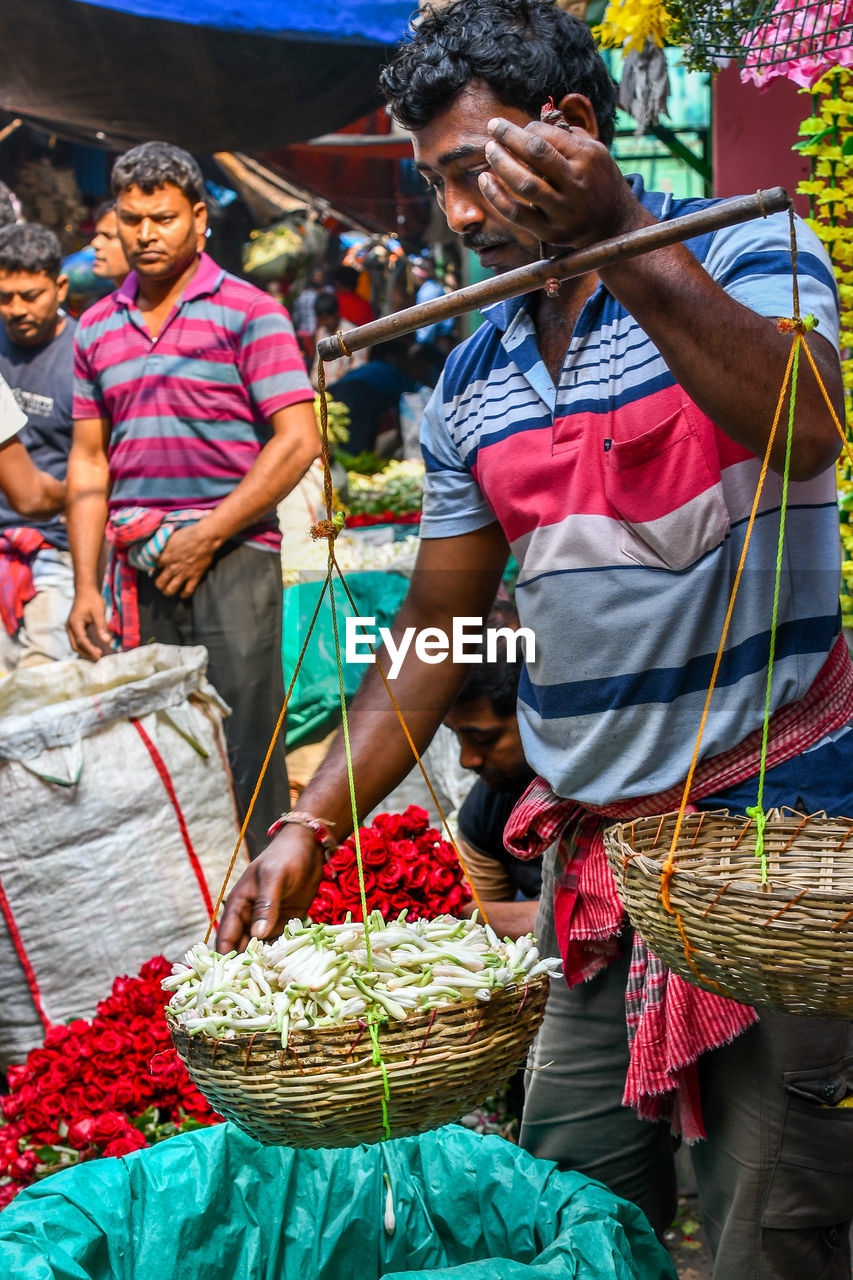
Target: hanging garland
column 826, row 136
column 628, row 24
column 639, row 29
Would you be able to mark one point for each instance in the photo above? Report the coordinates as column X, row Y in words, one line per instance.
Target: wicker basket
column 784, row 945
column 324, row 1091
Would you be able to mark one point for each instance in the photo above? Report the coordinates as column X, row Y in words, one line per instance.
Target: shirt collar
column 206, row 280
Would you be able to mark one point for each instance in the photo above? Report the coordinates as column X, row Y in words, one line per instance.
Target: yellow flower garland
column 628, row 24
column 827, row 137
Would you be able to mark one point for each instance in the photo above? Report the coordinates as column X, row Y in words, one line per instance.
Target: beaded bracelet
column 315, row 825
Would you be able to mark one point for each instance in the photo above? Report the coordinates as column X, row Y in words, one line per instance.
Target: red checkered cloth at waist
column 671, row 1023
column 18, row 548
column 136, row 537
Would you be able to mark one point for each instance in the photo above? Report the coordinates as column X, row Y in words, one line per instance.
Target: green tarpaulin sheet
column 314, row 708
column 215, row 1204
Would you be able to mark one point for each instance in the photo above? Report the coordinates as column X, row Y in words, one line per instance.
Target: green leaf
column 48, row 1155
column 847, row 147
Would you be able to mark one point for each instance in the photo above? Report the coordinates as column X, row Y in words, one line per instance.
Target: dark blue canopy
column 382, row 21
column 210, row 75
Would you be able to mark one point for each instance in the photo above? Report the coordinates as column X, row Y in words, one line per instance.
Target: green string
column 372, row 1017
column 756, row 811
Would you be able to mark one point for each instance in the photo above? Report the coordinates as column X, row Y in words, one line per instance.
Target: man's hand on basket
column 278, row 885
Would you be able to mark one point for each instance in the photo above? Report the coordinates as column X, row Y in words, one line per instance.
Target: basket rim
column 702, row 865
column 354, row 1026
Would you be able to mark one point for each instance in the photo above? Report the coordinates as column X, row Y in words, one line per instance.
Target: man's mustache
column 474, row 240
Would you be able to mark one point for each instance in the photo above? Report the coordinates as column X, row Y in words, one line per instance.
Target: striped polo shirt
column 189, row 408
column 626, row 508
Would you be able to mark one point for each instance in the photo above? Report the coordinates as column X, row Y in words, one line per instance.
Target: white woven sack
column 97, row 873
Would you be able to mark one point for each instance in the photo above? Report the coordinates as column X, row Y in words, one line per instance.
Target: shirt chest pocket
column 664, row 486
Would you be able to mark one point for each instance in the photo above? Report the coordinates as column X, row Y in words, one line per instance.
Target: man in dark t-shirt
column 37, row 362
column 483, row 717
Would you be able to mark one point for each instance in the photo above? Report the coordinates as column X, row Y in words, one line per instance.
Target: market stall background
column 209, row 76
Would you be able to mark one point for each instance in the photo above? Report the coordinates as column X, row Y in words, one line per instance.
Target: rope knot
column 328, row 528
column 756, row 812
column 797, row 324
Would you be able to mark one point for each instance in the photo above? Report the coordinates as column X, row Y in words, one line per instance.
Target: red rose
column 39, row 1060
column 155, row 969
column 143, row 1045
column 77, row 1100
column 55, row 1104
column 108, row 1125
column 402, row 902
column 56, row 1077
column 455, row 899
column 329, row 903
column 81, row 1132
column 373, row 848
column 440, row 881
column 123, row 1095
column 445, row 855
column 132, row 1140
column 23, row 1166
column 15, row 1077
column 8, row 1193
column 11, row 1106
column 341, row 858
column 160, row 1032
column 417, row 874
column 349, row 889
column 392, row 874
column 393, row 825
column 381, row 904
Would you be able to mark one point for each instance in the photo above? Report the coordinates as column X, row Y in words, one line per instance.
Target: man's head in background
column 8, row 212
column 346, row 279
column 161, row 209
column 327, row 311
column 110, row 262
column 483, row 716
column 32, row 287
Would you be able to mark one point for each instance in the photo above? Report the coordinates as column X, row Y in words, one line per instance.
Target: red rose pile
column 407, row 867
column 99, row 1088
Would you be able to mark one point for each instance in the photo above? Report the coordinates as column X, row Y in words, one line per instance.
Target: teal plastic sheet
column 314, row 709
column 217, row 1204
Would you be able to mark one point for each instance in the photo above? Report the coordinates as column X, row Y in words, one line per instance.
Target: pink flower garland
column 800, row 42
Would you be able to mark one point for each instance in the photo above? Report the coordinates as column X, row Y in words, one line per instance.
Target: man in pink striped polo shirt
column 193, row 418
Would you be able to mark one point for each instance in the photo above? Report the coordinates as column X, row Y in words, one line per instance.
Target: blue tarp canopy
column 210, row 75
column 381, row 21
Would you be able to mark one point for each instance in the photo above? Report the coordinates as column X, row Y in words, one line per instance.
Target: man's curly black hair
column 526, row 51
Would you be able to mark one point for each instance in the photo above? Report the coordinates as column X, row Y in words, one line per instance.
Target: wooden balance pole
column 572, row 263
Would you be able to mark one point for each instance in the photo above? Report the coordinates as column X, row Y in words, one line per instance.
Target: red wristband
column 315, row 825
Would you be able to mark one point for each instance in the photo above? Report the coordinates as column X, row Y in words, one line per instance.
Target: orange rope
column 329, row 529
column 668, row 866
column 420, row 763
column 265, row 765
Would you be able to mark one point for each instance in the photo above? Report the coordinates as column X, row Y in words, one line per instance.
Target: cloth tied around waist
column 671, row 1023
column 19, row 546
column 136, row 537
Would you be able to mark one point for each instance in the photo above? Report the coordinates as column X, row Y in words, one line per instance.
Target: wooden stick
column 10, row 128
column 572, row 263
